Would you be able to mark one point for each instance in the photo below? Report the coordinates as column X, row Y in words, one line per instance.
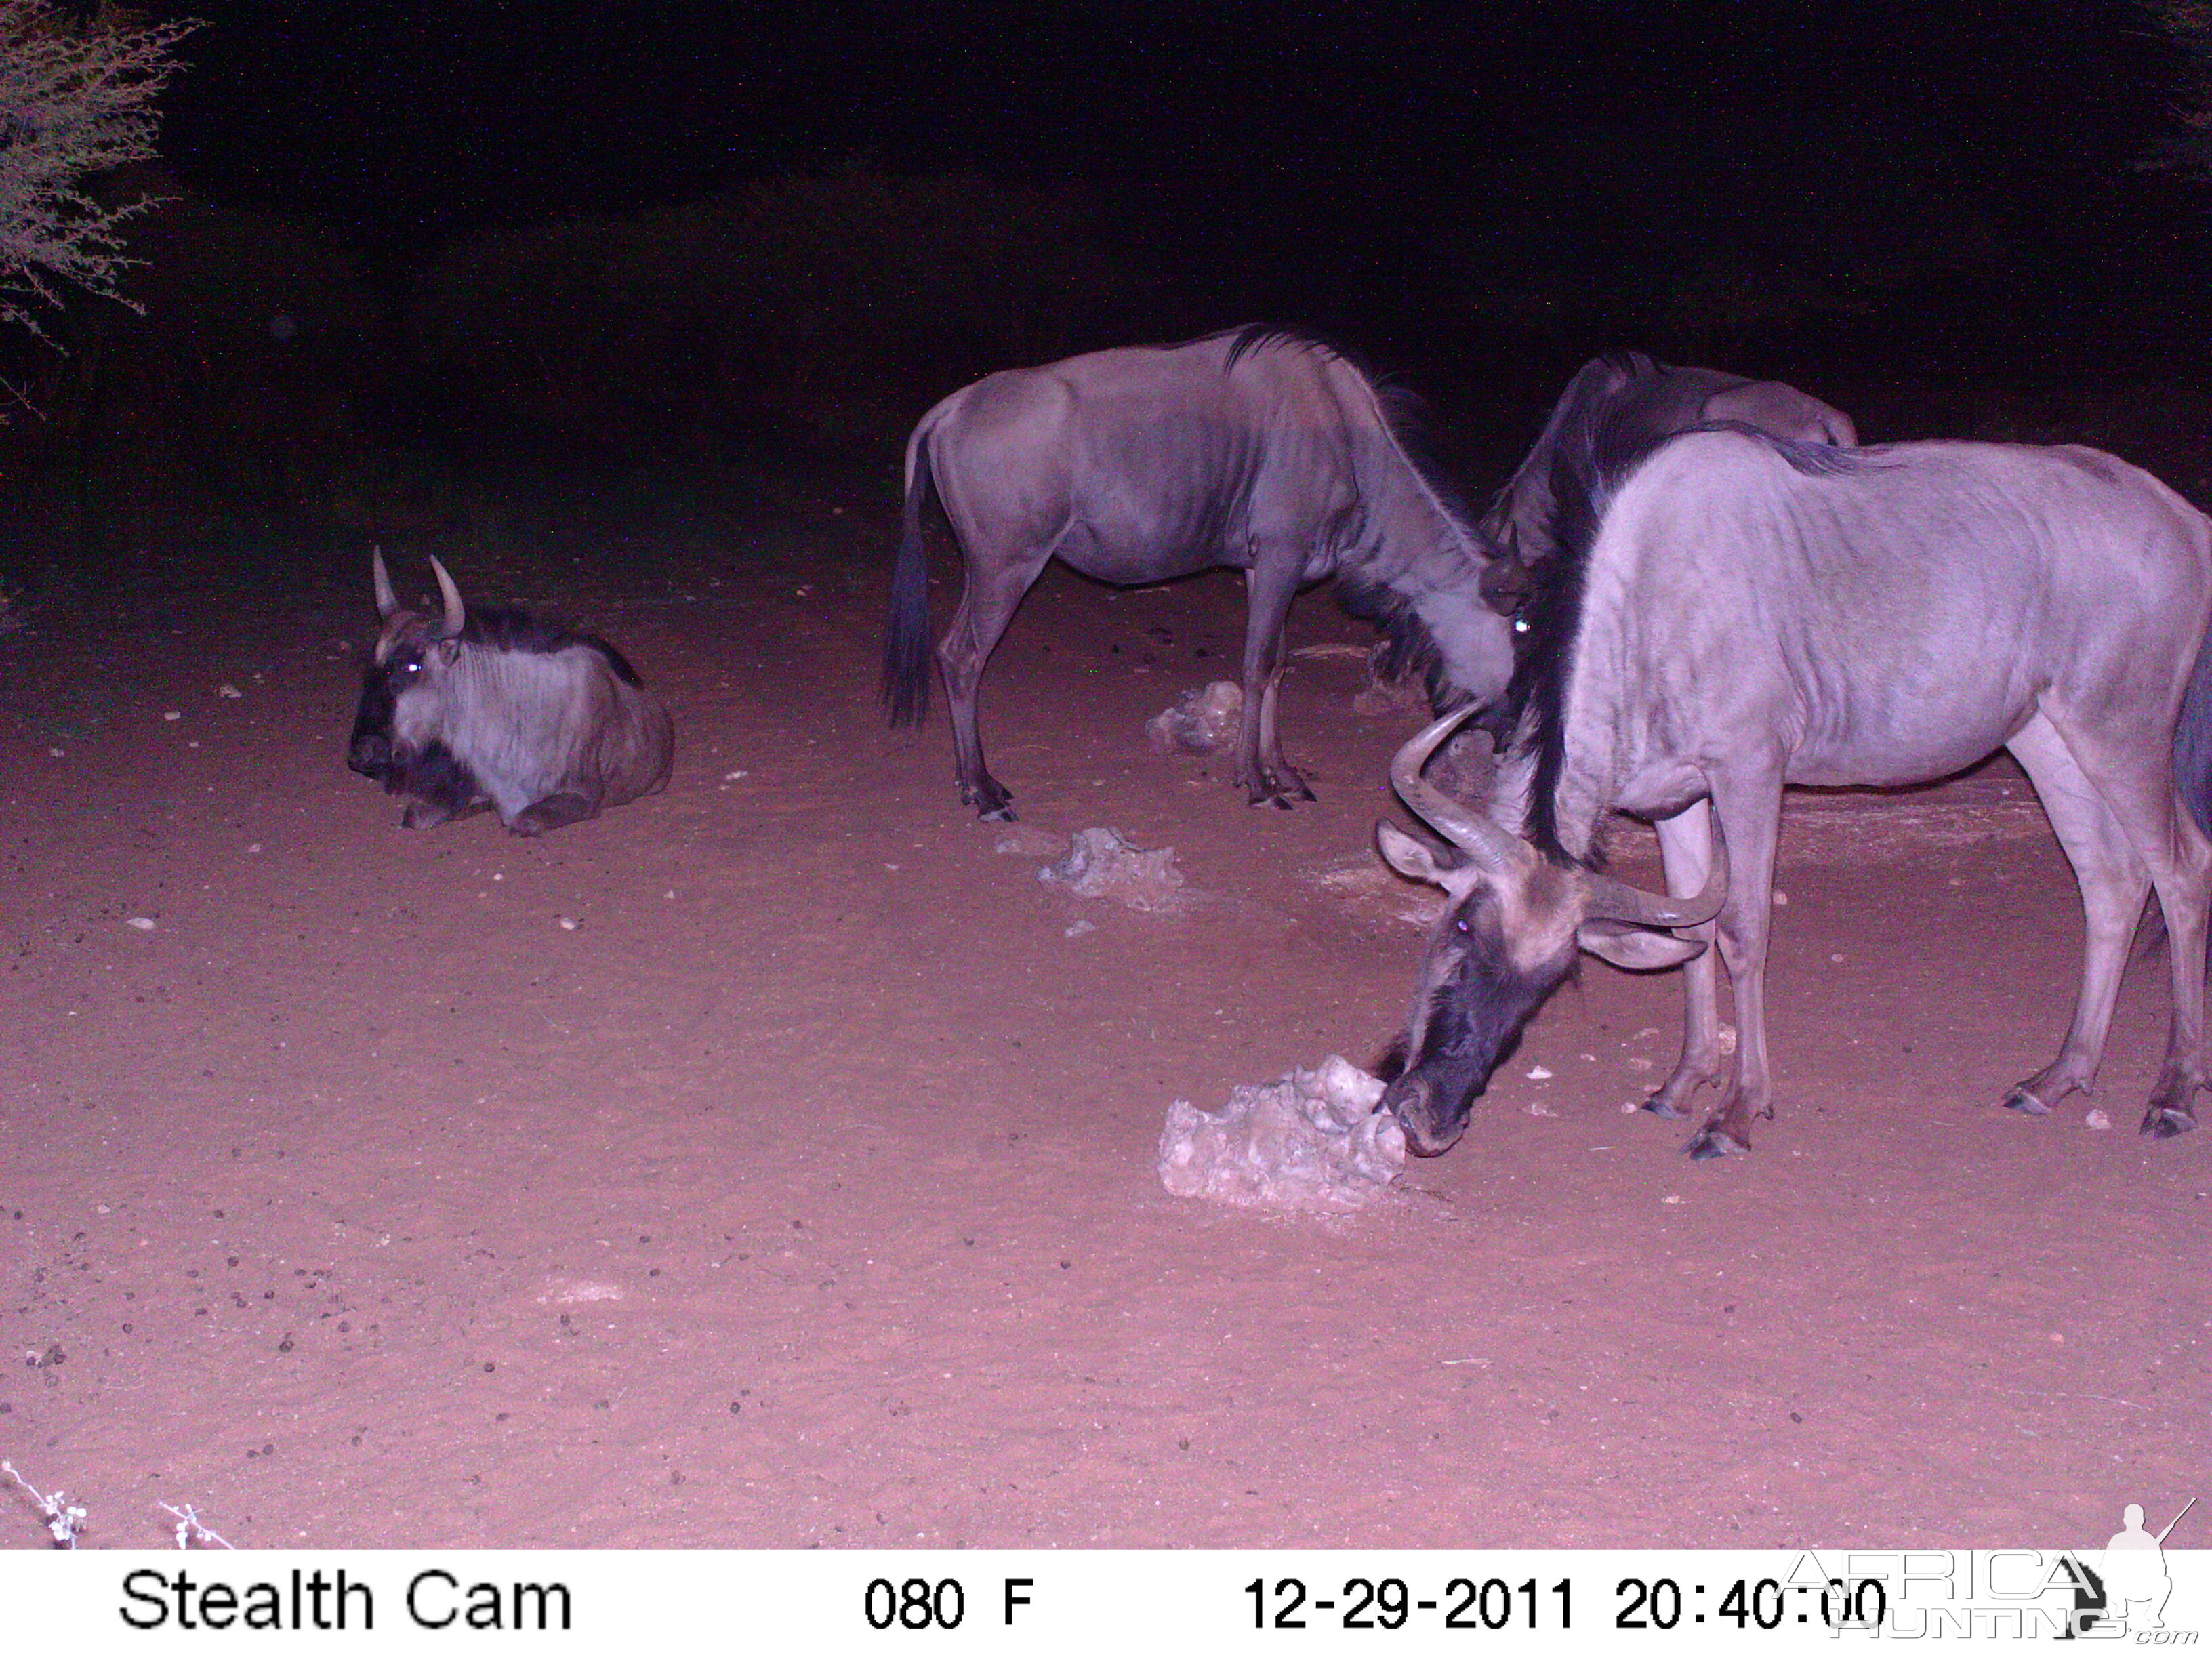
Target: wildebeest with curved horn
column 1731, row 613
column 1255, row 448
column 495, row 708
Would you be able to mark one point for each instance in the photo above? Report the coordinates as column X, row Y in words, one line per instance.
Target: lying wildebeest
column 495, row 708
column 1648, row 400
column 1255, row 448
column 1732, row 613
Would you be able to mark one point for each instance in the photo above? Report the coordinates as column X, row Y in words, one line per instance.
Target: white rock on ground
column 1102, row 864
column 1200, row 722
column 1310, row 1141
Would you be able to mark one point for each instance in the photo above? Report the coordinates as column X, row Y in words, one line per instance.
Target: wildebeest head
column 1510, row 935
column 401, row 700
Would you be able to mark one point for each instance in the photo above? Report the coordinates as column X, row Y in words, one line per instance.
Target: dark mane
column 1405, row 410
column 512, row 628
column 1608, row 439
column 1621, row 376
column 1408, row 646
column 1249, row 337
column 1815, row 460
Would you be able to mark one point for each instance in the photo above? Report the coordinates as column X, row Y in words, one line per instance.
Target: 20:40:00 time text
column 1388, row 1604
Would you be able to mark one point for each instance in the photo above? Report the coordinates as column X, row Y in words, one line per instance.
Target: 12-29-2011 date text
column 1464, row 1603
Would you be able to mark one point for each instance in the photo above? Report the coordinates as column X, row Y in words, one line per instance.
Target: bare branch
column 76, row 100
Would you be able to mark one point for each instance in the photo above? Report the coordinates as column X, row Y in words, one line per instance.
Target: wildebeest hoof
column 992, row 805
column 2021, row 1101
column 2166, row 1121
column 1659, row 1108
column 1709, row 1143
column 1276, row 789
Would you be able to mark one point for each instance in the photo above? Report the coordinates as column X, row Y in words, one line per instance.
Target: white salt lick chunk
column 1310, row 1141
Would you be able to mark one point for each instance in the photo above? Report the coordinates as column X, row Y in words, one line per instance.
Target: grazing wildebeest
column 1650, row 400
column 1255, row 448
column 1733, row 613
column 495, row 708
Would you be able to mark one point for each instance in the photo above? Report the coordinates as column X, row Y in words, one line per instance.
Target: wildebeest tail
column 906, row 645
column 2192, row 741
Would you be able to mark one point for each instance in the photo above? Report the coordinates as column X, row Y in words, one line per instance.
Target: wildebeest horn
column 455, row 616
column 1468, row 830
column 1616, row 901
column 386, row 600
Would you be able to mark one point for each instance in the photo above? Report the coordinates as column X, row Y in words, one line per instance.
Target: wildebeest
column 1255, row 448
column 1732, row 613
column 495, row 708
column 1648, row 400
column 1644, row 401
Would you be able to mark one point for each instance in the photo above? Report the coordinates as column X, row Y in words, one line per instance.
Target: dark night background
column 415, row 245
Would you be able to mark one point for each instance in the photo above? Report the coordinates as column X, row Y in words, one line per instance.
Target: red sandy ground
column 803, row 1191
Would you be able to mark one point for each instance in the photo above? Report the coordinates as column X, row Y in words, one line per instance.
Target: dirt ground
column 802, row 1190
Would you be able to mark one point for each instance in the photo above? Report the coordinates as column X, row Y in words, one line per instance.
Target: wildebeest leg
column 2172, row 1108
column 1271, row 746
column 554, row 812
column 1260, row 764
column 2134, row 784
column 1750, row 810
column 1685, row 843
column 987, row 602
column 2114, row 882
